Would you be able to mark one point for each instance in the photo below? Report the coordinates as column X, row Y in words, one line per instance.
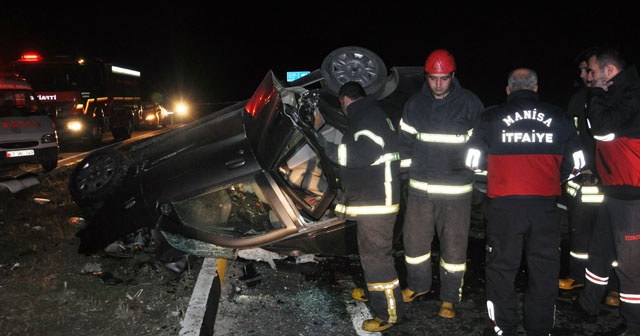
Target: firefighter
column 613, row 107
column 369, row 166
column 582, row 211
column 529, row 146
column 584, row 196
column 435, row 125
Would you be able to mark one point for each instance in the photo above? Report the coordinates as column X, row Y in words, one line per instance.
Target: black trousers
column 598, row 272
column 515, row 226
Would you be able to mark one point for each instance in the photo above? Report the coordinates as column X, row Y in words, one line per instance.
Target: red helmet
column 440, row 61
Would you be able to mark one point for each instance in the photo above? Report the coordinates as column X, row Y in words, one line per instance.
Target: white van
column 27, row 133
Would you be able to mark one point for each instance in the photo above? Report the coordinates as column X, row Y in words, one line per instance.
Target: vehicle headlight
column 74, row 126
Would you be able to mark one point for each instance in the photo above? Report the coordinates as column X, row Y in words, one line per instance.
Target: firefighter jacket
column 530, row 146
column 432, row 139
column 585, row 188
column 615, row 123
column 369, row 162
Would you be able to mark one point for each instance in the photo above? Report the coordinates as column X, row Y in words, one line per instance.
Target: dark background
column 209, row 52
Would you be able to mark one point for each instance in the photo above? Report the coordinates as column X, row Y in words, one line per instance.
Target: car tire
column 49, row 164
column 96, row 136
column 354, row 63
column 98, row 176
column 124, row 132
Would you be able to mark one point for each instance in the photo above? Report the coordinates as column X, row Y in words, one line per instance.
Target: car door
column 249, row 188
column 282, row 133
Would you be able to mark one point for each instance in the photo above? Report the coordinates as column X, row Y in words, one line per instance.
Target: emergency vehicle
column 27, row 133
column 86, row 97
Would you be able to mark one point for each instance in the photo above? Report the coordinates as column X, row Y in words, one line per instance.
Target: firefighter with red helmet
column 435, row 126
column 529, row 147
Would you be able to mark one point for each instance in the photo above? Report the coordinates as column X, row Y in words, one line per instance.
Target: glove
column 473, row 159
column 578, row 160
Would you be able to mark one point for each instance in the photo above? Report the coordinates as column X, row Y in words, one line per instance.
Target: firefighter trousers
column 582, row 221
column 599, row 274
column 515, row 226
column 375, row 244
column 624, row 218
column 450, row 219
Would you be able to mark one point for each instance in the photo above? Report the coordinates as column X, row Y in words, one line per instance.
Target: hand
column 602, row 83
column 587, row 180
column 473, row 159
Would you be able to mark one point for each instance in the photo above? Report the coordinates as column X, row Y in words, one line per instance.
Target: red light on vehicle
column 262, row 96
column 30, row 57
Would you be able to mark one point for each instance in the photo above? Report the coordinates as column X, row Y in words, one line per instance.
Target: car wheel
column 98, row 176
column 124, row 132
column 354, row 64
column 49, row 164
column 96, row 136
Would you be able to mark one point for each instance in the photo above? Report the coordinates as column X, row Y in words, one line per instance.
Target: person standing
column 613, row 111
column 434, row 128
column 528, row 146
column 369, row 166
column 582, row 203
column 584, row 196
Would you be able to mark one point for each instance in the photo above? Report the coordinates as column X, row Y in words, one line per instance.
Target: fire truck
column 85, row 97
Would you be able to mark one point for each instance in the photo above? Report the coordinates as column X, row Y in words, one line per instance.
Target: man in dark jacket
column 435, row 125
column 582, row 203
column 529, row 147
column 584, row 196
column 369, row 166
column 613, row 110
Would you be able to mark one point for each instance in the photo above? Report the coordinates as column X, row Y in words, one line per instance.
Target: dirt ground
column 48, row 288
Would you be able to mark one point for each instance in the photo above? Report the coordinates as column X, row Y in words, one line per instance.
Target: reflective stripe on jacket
column 369, row 162
column 432, row 140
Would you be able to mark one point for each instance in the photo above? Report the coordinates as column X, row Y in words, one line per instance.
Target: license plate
column 26, row 152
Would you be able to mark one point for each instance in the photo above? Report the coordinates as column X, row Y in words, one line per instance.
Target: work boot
column 358, row 294
column 375, row 324
column 446, row 310
column 408, row 295
column 612, row 299
column 569, row 284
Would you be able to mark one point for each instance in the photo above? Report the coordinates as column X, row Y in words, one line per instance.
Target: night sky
column 221, row 55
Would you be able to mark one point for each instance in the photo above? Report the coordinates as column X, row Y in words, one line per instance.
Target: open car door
column 281, row 129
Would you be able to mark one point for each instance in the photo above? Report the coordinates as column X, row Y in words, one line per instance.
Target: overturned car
column 249, row 175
